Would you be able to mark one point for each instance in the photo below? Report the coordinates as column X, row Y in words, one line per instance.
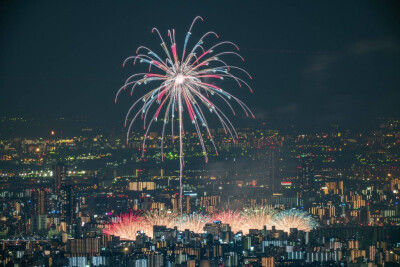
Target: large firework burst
column 160, row 217
column 293, row 218
column 257, row 217
column 193, row 222
column 128, row 225
column 233, row 218
column 181, row 83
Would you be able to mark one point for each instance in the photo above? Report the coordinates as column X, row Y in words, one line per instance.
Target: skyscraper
column 39, row 201
column 39, row 209
column 59, row 174
column 306, row 162
column 67, row 203
column 175, row 203
column 270, row 147
column 270, row 169
column 187, row 204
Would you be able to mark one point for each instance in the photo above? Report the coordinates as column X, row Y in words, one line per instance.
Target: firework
column 257, row 218
column 181, row 82
column 161, row 217
column 287, row 219
column 127, row 226
column 194, row 222
column 231, row 217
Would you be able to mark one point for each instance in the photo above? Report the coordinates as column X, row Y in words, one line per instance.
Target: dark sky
column 311, row 60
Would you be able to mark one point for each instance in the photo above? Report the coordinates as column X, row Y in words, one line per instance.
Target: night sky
column 314, row 61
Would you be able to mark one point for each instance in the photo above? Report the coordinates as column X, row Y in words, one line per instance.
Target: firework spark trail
column 181, row 87
column 257, row 218
column 126, row 226
column 287, row 219
column 160, row 217
column 194, row 222
column 231, row 217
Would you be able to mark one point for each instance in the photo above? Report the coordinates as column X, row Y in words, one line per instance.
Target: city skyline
column 346, row 181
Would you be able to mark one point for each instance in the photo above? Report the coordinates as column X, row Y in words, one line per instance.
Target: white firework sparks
column 257, row 217
column 180, row 85
column 194, row 222
column 293, row 218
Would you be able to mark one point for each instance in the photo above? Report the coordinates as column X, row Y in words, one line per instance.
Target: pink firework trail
column 233, row 218
column 179, row 84
column 126, row 226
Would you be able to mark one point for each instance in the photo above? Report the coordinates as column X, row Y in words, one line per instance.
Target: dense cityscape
column 60, row 194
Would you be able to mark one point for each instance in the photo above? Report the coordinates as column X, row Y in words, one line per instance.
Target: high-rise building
column 395, row 184
column 140, row 186
column 231, row 259
column 83, row 246
column 268, row 261
column 341, row 188
column 247, row 242
column 39, row 201
column 187, row 204
column 270, row 158
column 175, row 203
column 39, row 223
column 155, row 260
column 67, row 203
column 59, row 174
column 271, row 169
column 145, row 202
column 306, row 171
column 371, row 253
